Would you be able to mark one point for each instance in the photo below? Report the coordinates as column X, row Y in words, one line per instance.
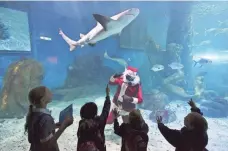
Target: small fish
column 202, row 61
column 157, row 68
column 222, row 31
column 162, row 49
column 202, row 43
column 211, row 30
column 176, row 66
column 205, row 42
column 223, row 23
column 118, row 60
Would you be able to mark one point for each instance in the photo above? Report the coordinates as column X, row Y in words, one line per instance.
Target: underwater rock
column 167, row 116
column 87, row 70
column 178, row 37
column 216, row 108
column 210, row 94
column 179, row 75
column 199, row 86
column 155, row 100
column 177, row 91
column 21, row 76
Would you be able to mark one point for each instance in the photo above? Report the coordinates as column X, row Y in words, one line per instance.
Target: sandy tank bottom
column 12, row 133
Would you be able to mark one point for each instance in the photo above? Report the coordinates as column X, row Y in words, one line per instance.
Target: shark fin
column 72, row 47
column 92, row 44
column 81, row 35
column 103, row 20
column 195, row 63
column 106, row 55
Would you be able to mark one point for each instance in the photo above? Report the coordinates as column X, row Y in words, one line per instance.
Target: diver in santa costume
column 128, row 94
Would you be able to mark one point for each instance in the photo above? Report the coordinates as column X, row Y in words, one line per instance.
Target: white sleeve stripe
column 135, row 100
column 47, row 138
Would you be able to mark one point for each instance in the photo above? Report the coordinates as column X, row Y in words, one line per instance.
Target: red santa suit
column 132, row 92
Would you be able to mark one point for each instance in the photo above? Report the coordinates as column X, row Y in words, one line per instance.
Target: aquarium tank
column 173, row 51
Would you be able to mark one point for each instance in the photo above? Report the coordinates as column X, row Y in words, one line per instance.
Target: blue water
column 81, row 75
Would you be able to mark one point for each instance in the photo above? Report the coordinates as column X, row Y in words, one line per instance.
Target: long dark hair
column 35, row 96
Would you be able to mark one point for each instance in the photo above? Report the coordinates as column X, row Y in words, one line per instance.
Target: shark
column 122, row 62
column 178, row 91
column 106, row 27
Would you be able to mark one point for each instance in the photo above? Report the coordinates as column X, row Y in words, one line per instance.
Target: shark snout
column 133, row 11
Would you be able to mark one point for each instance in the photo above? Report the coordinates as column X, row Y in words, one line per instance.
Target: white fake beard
column 136, row 79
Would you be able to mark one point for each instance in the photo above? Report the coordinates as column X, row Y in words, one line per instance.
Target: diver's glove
column 117, row 75
column 127, row 98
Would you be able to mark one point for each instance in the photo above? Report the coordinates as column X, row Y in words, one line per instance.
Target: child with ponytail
column 40, row 125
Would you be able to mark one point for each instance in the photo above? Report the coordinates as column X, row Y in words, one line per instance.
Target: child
column 40, row 124
column 91, row 127
column 134, row 134
column 192, row 137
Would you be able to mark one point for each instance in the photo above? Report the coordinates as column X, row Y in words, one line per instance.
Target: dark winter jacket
column 136, row 135
column 184, row 139
column 100, row 122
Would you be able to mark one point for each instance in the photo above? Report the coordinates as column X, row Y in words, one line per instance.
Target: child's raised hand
column 192, row 103
column 159, row 119
column 107, row 90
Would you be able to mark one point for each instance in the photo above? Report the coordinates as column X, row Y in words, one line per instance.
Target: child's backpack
column 90, row 132
column 136, row 141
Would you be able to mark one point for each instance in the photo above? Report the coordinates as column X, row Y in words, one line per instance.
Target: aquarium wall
column 176, row 50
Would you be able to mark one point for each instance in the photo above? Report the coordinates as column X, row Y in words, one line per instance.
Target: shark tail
column 69, row 41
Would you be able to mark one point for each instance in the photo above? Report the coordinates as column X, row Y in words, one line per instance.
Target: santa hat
column 135, row 70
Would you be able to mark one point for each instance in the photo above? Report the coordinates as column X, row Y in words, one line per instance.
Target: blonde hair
column 35, row 96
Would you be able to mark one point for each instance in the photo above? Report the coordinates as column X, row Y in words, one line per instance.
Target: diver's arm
column 115, row 79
